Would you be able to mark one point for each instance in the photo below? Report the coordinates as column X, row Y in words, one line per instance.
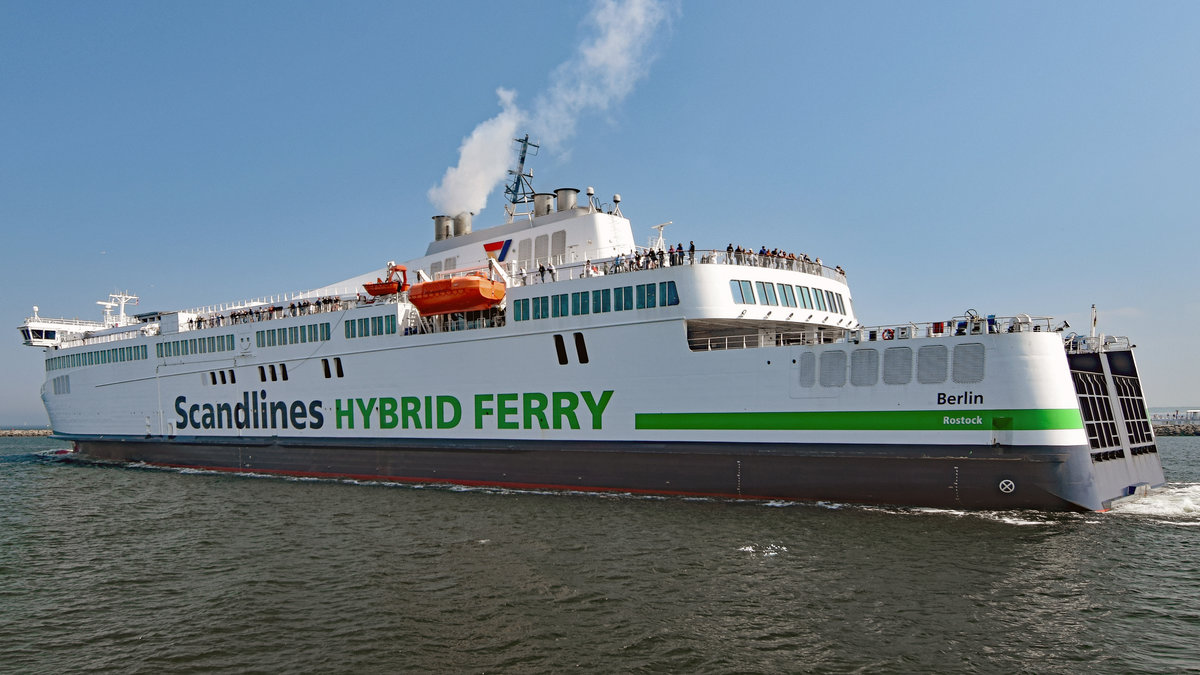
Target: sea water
column 107, row 568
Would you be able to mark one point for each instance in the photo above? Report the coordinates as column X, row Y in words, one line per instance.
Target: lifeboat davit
column 456, row 294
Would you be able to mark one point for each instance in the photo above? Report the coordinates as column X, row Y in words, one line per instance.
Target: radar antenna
column 117, row 300
column 658, row 244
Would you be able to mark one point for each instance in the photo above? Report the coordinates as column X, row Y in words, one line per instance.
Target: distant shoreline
column 8, row 433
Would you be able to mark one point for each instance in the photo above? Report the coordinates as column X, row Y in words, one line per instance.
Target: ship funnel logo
column 497, row 250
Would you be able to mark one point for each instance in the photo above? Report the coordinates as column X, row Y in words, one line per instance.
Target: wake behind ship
column 552, row 351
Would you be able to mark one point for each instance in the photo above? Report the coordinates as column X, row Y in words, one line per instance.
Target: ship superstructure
column 553, row 351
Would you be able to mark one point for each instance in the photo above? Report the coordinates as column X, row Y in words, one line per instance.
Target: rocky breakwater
column 10, row 433
column 1177, row 429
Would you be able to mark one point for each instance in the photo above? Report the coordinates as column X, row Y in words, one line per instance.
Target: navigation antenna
column 117, row 300
column 658, row 244
column 520, row 190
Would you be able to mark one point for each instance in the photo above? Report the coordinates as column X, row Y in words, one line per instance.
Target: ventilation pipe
column 567, row 198
column 541, row 203
column 462, row 224
column 443, row 227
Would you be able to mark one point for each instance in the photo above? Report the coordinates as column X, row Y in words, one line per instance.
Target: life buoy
column 888, row 334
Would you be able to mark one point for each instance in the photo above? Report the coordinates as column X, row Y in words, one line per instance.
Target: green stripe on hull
column 874, row 420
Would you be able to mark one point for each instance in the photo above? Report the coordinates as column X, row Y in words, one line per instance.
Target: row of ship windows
column 313, row 332
column 270, row 372
column 787, row 295
column 933, row 361
column 370, row 326
column 97, row 357
column 641, row 296
column 208, row 345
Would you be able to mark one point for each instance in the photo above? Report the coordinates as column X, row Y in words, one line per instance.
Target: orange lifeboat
column 392, row 285
column 456, row 294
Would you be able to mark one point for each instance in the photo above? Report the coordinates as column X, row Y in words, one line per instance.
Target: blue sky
column 1007, row 157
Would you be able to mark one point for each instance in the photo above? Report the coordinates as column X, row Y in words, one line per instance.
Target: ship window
column 223, row 377
column 292, row 335
column 808, row 369
column 271, row 369
column 525, row 252
column 841, row 305
column 192, row 342
column 325, row 331
column 350, row 328
column 832, row 301
column 364, row 328
column 324, row 364
column 931, row 364
column 282, row 371
column 229, row 341
column 558, row 244
column 337, row 362
column 819, row 299
column 833, row 368
column 787, row 294
column 537, row 308
column 735, row 289
column 212, row 375
column 212, row 342
column 619, row 299
column 581, row 348
column 667, row 294
column 561, row 348
column 391, row 324
column 968, row 363
column 766, row 293
column 271, row 337
column 601, row 300
column 897, row 365
column 804, row 296
column 864, row 367
column 579, row 303
column 175, row 348
column 554, row 306
column 303, row 334
column 262, row 372
column 232, row 378
column 747, row 292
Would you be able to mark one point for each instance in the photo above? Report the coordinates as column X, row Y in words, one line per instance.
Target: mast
column 520, row 190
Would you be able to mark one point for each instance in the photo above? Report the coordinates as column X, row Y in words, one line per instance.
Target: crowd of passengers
column 301, row 308
column 679, row 255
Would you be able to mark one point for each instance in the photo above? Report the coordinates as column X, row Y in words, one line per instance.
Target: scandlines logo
column 254, row 411
column 497, row 250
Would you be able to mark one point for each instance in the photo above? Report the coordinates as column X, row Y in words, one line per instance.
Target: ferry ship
column 552, row 351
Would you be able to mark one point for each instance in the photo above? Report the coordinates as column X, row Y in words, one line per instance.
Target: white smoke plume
column 604, row 70
column 602, row 73
column 483, row 161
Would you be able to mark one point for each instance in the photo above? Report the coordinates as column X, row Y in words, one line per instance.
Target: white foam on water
column 768, row 551
column 1176, row 500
